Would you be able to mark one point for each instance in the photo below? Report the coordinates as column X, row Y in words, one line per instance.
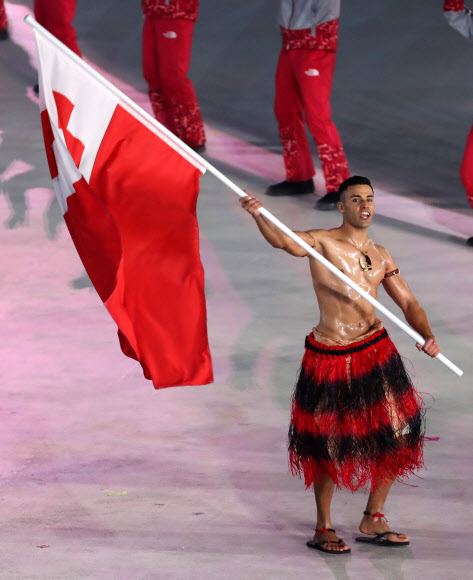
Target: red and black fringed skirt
column 355, row 415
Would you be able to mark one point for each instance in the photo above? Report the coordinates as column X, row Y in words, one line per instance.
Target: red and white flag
column 128, row 191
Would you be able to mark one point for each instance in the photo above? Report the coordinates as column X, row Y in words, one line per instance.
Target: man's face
column 357, row 206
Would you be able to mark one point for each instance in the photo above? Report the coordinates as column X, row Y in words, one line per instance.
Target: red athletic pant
column 167, row 47
column 303, row 85
column 3, row 16
column 57, row 16
column 466, row 169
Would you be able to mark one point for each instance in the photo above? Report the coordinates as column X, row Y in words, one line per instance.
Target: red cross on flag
column 128, row 190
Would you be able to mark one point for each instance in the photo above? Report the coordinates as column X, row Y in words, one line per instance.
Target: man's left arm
column 399, row 291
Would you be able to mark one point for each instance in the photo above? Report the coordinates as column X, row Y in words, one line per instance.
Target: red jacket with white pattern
column 311, row 24
column 172, row 9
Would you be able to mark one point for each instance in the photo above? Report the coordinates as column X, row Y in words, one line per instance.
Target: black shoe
column 291, row 188
column 328, row 201
column 469, row 242
column 36, row 89
column 4, row 34
column 198, row 148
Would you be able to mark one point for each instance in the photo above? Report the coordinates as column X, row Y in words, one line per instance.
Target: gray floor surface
column 103, row 477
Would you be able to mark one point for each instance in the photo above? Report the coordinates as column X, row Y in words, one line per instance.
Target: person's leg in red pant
column 314, row 73
column 3, row 22
column 289, row 114
column 57, row 16
column 172, row 56
column 296, row 151
column 151, row 71
column 466, row 173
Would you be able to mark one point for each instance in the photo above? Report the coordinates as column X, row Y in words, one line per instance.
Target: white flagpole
column 200, row 161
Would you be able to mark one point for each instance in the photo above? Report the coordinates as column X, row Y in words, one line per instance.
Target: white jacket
column 300, row 14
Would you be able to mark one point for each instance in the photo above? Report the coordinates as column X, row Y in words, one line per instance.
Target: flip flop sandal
column 318, row 545
column 380, row 539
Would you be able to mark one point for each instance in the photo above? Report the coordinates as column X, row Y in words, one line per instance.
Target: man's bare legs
column 323, row 498
column 370, row 525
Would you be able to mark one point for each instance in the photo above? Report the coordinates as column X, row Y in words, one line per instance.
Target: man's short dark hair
column 353, row 180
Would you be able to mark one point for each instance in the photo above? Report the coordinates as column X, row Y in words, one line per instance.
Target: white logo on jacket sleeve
column 170, row 34
column 312, row 72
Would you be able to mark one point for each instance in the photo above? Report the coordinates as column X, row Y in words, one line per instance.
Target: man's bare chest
column 363, row 267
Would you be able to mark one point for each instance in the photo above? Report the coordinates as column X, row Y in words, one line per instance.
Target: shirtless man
column 356, row 419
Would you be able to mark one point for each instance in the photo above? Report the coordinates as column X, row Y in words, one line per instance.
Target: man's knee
column 287, row 117
column 321, row 129
column 176, row 88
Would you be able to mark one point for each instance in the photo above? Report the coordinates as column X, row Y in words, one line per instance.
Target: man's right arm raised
column 273, row 234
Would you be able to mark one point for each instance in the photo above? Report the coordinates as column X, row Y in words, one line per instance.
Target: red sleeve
column 454, row 5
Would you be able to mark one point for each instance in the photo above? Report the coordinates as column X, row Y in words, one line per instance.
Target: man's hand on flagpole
column 251, row 205
column 431, row 347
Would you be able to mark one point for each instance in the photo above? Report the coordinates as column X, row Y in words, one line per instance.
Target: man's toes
column 400, row 538
column 329, row 546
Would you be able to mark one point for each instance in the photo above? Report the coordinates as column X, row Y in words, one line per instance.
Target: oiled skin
column 344, row 314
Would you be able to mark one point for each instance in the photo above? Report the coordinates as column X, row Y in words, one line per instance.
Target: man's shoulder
column 323, row 233
column 388, row 260
column 382, row 250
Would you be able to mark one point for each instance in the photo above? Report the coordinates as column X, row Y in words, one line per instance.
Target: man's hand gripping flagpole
column 188, row 152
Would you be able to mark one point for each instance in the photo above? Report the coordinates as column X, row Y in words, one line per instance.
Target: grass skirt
column 355, row 414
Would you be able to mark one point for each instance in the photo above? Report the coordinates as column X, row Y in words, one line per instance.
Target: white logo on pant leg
column 312, row 72
column 170, row 34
